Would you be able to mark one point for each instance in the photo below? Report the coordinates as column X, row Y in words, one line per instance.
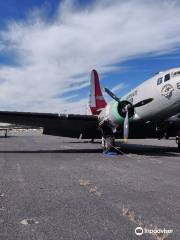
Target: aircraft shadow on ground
column 147, row 150
column 54, row 151
column 86, row 141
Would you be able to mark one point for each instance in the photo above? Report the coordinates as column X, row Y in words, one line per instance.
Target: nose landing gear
column 108, row 143
column 108, row 140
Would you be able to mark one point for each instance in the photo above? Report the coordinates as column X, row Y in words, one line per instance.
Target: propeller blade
column 126, row 120
column 111, row 94
column 143, row 102
column 126, row 127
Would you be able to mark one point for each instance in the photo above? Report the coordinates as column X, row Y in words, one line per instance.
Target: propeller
column 126, row 110
column 126, row 127
column 111, row 94
column 143, row 102
column 126, row 120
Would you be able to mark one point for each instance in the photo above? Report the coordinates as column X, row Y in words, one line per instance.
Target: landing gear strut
column 178, row 142
column 108, row 139
column 108, row 143
column 5, row 135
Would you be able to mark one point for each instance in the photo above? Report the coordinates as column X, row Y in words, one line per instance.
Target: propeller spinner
column 127, row 109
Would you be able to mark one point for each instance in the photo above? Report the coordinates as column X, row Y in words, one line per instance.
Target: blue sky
column 48, row 48
column 18, row 9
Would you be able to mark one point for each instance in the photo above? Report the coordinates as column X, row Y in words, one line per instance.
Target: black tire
column 178, row 143
column 5, row 134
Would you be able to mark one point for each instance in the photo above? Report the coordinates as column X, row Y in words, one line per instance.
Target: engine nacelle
column 114, row 113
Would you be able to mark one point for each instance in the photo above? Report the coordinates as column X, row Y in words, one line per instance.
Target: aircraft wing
column 66, row 125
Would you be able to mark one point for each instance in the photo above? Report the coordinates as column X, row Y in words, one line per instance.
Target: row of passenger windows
column 167, row 77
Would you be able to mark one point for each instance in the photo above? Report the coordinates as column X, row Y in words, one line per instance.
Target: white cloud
column 51, row 54
column 118, row 87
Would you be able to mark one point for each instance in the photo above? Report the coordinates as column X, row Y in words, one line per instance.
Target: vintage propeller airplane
column 148, row 111
column 151, row 110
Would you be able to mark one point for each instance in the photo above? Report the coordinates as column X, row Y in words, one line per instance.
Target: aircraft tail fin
column 96, row 98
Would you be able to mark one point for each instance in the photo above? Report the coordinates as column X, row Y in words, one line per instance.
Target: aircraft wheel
column 166, row 136
column 5, row 134
column 178, row 142
column 178, row 146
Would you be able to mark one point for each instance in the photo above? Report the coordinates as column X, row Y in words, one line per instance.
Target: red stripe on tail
column 96, row 98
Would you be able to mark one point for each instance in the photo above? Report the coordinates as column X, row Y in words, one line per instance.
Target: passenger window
column 166, row 77
column 159, row 81
column 175, row 74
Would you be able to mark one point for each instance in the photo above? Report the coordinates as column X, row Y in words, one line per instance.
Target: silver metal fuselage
column 166, row 97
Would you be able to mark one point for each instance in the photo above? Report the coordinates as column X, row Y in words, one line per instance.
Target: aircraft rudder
column 96, row 98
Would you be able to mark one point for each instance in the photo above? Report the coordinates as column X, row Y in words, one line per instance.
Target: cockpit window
column 159, row 81
column 175, row 74
column 166, row 77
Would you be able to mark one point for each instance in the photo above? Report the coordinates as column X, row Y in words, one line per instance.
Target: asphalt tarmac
column 55, row 188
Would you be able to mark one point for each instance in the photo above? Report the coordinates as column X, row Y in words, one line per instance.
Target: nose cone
column 119, row 110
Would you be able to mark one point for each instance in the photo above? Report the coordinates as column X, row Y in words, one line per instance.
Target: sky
column 49, row 47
